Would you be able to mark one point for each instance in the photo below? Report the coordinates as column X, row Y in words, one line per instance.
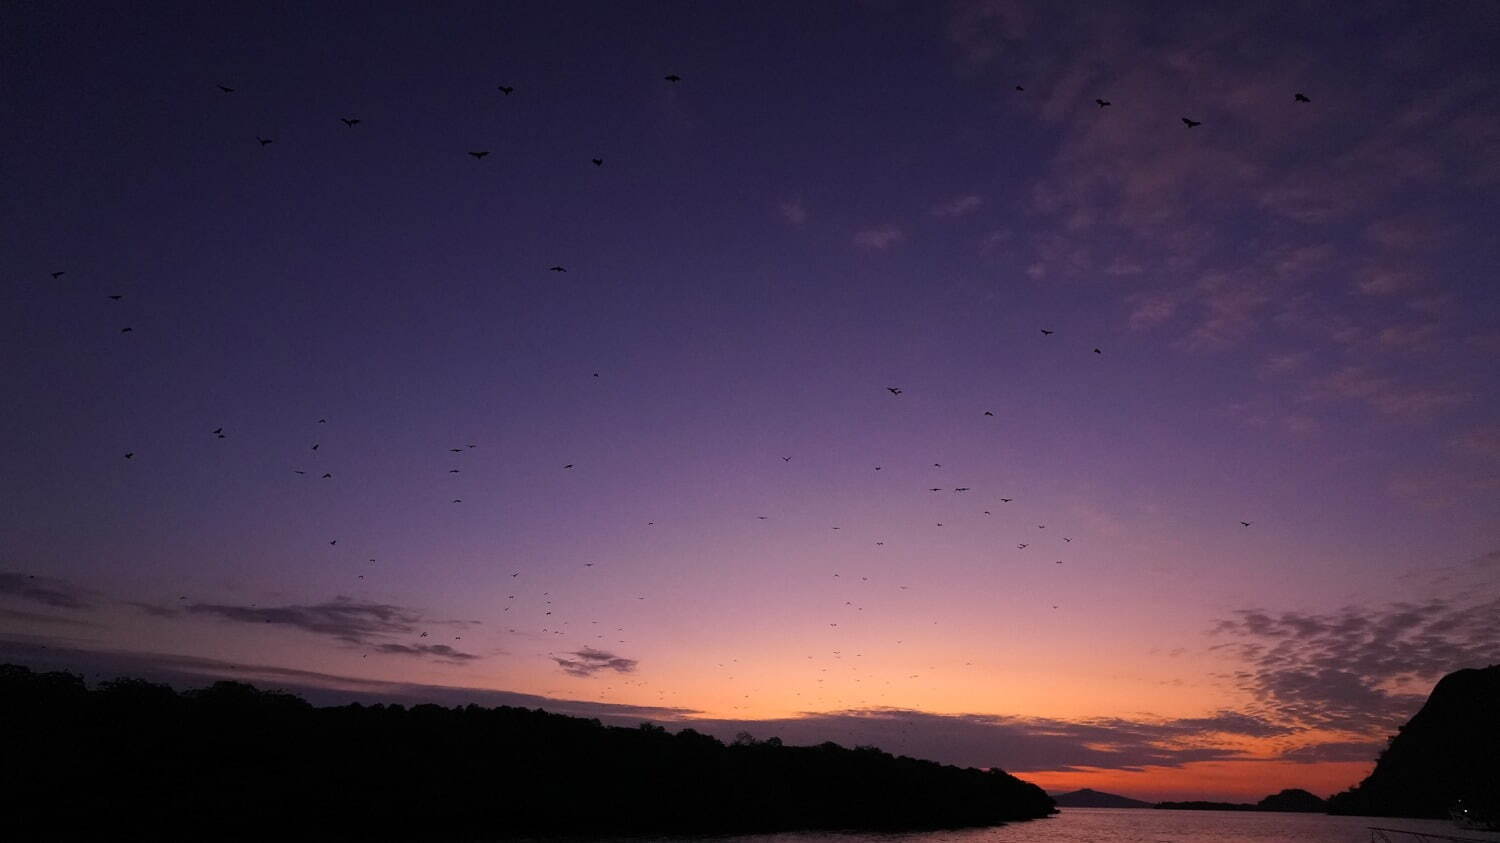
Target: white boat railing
column 1383, row 835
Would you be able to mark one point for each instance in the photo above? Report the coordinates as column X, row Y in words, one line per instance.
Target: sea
column 1149, row 825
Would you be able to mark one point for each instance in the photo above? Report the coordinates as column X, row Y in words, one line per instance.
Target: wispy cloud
column 879, row 238
column 49, row 591
column 1385, row 394
column 439, row 651
column 588, row 661
column 1482, row 441
column 793, row 211
column 958, row 206
column 343, row 619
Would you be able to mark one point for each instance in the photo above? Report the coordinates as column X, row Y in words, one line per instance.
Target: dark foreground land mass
column 1449, row 752
column 131, row 759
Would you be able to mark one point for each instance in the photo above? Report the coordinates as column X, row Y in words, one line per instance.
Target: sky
column 895, row 391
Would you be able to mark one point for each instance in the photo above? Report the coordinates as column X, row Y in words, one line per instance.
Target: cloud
column 1017, row 744
column 154, row 609
column 588, row 661
column 1362, row 669
column 342, row 618
column 1438, row 489
column 958, row 206
column 440, row 651
column 363, row 624
column 1385, row 394
column 1408, row 336
column 1482, row 441
column 879, row 238
column 48, row 591
column 1283, row 363
column 319, row 688
column 1317, row 753
column 38, row 617
column 1152, row 310
column 793, row 211
column 980, row 29
column 1385, row 280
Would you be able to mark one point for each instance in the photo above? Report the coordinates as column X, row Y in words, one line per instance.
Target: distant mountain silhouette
column 1449, row 751
column 1294, row 800
column 136, row 760
column 1087, row 798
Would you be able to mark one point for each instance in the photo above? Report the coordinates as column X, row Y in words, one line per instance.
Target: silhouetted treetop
column 133, row 758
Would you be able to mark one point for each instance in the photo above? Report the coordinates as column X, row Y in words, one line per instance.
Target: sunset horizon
column 1103, row 394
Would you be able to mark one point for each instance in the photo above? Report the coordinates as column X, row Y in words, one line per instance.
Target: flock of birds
column 544, row 608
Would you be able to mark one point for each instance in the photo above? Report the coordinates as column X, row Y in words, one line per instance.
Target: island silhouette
column 1446, row 756
column 131, row 758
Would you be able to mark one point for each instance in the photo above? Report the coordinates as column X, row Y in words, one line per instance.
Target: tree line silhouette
column 131, row 758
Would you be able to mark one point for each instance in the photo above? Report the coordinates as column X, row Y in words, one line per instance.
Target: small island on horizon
column 1289, row 800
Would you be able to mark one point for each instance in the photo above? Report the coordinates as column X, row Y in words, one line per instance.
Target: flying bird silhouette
column 1102, row 103
column 1047, row 333
column 1244, row 523
column 351, row 122
column 126, row 330
column 116, row 298
column 1019, row 88
column 556, row 269
column 57, row 275
column 129, row 455
column 506, row 89
column 988, row 413
column 1300, row 98
column 480, row 154
column 893, row 390
column 786, row 459
column 672, row 77
column 1097, row 351
column 225, row 88
column 326, row 476
column 1006, row 500
column 264, row 141
column 569, row 465
column 1022, row 546
column 1191, row 123
column 598, row 162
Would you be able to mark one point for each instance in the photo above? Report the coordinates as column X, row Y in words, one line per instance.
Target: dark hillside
column 1449, row 751
column 133, row 758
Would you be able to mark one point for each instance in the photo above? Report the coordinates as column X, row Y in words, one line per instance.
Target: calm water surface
column 1109, row 825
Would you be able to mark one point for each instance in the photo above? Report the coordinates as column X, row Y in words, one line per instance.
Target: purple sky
column 1294, row 304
